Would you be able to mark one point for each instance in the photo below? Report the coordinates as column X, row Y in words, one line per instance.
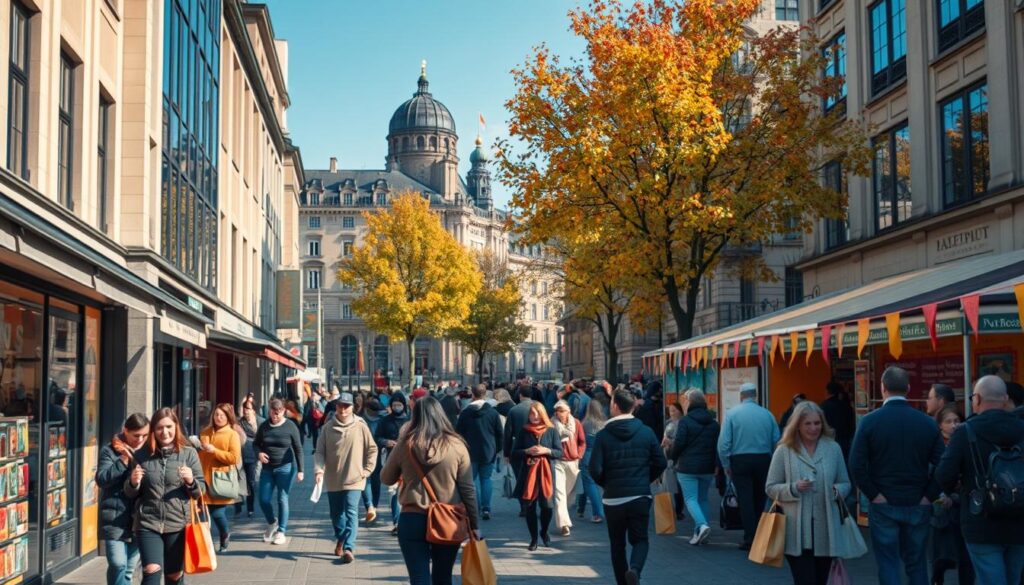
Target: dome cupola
column 422, row 113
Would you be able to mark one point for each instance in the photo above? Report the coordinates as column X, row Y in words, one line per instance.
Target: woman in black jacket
column 694, row 450
column 535, row 447
column 112, row 470
column 386, row 437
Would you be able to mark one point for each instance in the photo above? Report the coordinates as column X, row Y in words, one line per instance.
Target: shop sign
column 232, row 324
column 999, row 323
column 289, row 297
column 179, row 330
column 309, row 327
column 909, row 332
column 195, row 304
column 730, row 380
column 963, row 243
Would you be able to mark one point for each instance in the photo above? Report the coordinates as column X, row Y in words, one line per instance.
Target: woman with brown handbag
column 535, row 448
column 220, row 454
column 433, row 463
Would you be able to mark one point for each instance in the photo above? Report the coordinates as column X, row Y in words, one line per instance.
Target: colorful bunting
column 826, row 342
column 736, row 354
column 970, row 305
column 862, row 335
column 840, row 333
column 892, row 323
column 760, row 351
column 929, row 322
column 794, row 339
column 809, row 339
column 775, row 346
column 746, row 351
column 686, row 360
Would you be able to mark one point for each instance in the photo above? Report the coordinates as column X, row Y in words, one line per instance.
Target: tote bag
column 477, row 568
column 664, row 516
column 851, row 545
column 729, row 510
column 769, row 544
column 200, row 556
column 224, row 484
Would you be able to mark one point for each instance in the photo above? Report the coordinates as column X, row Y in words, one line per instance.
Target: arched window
column 422, row 362
column 447, row 147
column 433, row 143
column 405, row 143
column 381, row 350
column 420, row 143
column 349, row 348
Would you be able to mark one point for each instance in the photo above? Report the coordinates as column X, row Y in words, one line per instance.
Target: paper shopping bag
column 769, row 543
column 664, row 516
column 477, row 568
column 200, row 556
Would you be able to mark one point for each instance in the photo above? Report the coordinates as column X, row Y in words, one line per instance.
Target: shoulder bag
column 447, row 524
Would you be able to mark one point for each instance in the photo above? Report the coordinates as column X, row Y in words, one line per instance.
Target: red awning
column 282, row 358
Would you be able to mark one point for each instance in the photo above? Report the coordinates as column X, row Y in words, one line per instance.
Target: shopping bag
column 477, row 568
column 851, row 545
column 664, row 516
column 729, row 510
column 837, row 575
column 769, row 544
column 200, row 556
column 509, row 487
column 318, row 489
column 225, row 484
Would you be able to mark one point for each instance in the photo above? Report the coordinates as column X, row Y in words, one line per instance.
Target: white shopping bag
column 318, row 488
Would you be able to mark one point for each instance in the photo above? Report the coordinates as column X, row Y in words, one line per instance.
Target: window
column 348, row 222
column 787, row 10
column 547, row 337
column 66, row 132
column 794, row 286
column 347, row 198
column 346, row 249
column 313, row 279
column 533, row 311
column 314, row 199
column 346, row 311
column 382, row 199
column 349, row 353
column 314, row 222
column 314, row 248
column 965, row 145
column 958, row 19
column 837, row 231
column 544, row 287
column 888, row 43
column 546, row 313
column 835, row 67
column 17, row 111
column 102, row 162
column 381, row 348
column 891, row 177
column 533, row 288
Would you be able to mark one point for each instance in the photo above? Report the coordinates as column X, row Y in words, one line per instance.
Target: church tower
column 478, row 181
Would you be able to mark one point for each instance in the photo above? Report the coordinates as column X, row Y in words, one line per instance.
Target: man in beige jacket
column 345, row 456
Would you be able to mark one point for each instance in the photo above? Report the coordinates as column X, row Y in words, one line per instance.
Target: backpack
column 317, row 412
column 999, row 492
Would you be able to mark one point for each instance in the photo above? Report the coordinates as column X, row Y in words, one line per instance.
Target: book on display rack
column 14, row 491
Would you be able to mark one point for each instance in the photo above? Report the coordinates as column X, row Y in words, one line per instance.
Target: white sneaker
column 703, row 534
column 695, row 538
column 279, row 538
column 268, row 534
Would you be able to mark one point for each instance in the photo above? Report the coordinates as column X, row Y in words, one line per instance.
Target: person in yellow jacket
column 220, row 451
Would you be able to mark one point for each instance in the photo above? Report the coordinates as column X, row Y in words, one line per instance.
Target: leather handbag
column 224, row 484
column 447, row 524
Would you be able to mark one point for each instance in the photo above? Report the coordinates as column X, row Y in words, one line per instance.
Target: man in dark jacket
column 516, row 419
column 480, row 425
column 891, row 463
column 652, row 411
column 626, row 458
column 694, row 449
column 995, row 542
column 839, row 415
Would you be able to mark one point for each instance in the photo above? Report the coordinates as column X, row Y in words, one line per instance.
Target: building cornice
column 260, row 13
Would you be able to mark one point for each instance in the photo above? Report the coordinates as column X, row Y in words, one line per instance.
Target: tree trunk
column 682, row 316
column 411, row 340
column 611, row 351
column 480, row 367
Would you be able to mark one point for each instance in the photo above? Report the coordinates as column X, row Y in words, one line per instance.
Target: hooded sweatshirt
column 346, row 453
column 480, row 425
column 694, row 447
column 626, row 458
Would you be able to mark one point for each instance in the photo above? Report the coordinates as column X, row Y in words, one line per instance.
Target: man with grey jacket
column 345, row 456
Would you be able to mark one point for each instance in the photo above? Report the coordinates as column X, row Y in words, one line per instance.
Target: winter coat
column 480, row 425
column 162, row 499
column 448, row 471
column 225, row 457
column 514, row 422
column 694, row 448
column 523, row 440
column 346, row 453
column 248, row 448
column 115, row 506
column 626, row 457
column 812, row 519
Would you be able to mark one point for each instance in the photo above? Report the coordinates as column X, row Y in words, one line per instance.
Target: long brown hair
column 179, row 435
column 791, row 434
column 228, row 413
column 542, row 413
column 429, row 430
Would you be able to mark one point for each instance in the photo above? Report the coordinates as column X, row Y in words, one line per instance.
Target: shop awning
column 258, row 347
column 992, row 277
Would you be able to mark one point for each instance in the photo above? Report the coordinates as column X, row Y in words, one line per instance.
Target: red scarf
column 538, row 470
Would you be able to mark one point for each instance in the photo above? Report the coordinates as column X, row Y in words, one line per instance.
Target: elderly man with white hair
column 745, row 447
column 993, row 535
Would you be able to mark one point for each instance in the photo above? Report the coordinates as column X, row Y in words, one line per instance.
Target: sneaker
column 703, row 534
column 597, row 519
column 486, row 514
column 268, row 534
column 279, row 538
column 224, row 543
column 371, row 514
column 566, row 531
column 394, row 530
column 632, row 577
column 347, row 557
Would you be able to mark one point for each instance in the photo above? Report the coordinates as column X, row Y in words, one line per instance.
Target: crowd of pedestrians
column 937, row 490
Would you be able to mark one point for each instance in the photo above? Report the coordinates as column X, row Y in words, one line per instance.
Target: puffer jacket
column 162, row 499
column 695, row 446
column 115, row 506
column 626, row 458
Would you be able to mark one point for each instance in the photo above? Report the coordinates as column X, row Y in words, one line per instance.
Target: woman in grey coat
column 166, row 476
column 806, row 476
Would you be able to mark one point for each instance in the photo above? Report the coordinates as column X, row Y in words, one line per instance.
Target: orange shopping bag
column 200, row 556
column 664, row 515
column 477, row 568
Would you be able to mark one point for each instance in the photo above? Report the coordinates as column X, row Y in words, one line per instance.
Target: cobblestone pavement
column 308, row 557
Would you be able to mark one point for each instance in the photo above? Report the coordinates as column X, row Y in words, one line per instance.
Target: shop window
column 18, row 84
column 891, row 177
column 958, row 19
column 888, row 20
column 965, row 156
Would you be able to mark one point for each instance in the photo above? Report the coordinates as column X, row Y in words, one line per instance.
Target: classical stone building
column 422, row 156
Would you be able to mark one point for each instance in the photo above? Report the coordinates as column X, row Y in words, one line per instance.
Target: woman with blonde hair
column 574, row 445
column 535, row 448
column 220, row 453
column 806, row 477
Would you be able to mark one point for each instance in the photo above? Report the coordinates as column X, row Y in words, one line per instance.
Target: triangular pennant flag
column 929, row 323
column 826, row 342
column 736, row 354
column 970, row 305
column 746, row 351
column 794, row 339
column 809, row 339
column 686, row 360
column 840, row 333
column 1018, row 291
column 775, row 346
column 862, row 335
column 892, row 323
column 723, row 358
column 760, row 351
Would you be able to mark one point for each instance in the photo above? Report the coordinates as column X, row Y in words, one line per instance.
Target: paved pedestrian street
column 308, row 557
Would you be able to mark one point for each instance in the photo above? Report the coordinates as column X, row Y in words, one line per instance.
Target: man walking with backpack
column 985, row 459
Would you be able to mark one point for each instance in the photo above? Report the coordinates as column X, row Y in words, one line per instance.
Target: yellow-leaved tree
column 413, row 279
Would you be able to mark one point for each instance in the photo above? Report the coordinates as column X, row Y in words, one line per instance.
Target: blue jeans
column 371, row 493
column 592, row 492
column 695, row 494
column 901, row 533
column 279, row 477
column 420, row 554
column 345, row 516
column 122, row 558
column 219, row 515
column 997, row 563
column 396, row 509
column 484, row 486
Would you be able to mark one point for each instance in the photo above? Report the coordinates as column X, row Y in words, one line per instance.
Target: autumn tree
column 685, row 142
column 493, row 325
column 412, row 278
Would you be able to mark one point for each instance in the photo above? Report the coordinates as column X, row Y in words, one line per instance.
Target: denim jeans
column 165, row 550
column 122, row 558
column 396, row 508
column 592, row 492
column 900, row 533
column 484, row 486
column 371, row 493
column 279, row 477
column 695, row 494
column 219, row 516
column 420, row 554
column 997, row 563
column 345, row 516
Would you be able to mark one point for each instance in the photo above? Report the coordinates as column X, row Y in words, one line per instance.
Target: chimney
column 334, row 164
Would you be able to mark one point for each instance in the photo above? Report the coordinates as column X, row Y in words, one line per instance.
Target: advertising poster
column 730, row 380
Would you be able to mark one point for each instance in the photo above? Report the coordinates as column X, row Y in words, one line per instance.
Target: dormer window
column 347, row 198
column 314, row 199
column 382, row 199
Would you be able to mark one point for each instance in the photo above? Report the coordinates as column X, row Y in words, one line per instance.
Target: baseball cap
column 345, row 398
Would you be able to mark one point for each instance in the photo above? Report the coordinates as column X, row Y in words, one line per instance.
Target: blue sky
column 352, row 63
